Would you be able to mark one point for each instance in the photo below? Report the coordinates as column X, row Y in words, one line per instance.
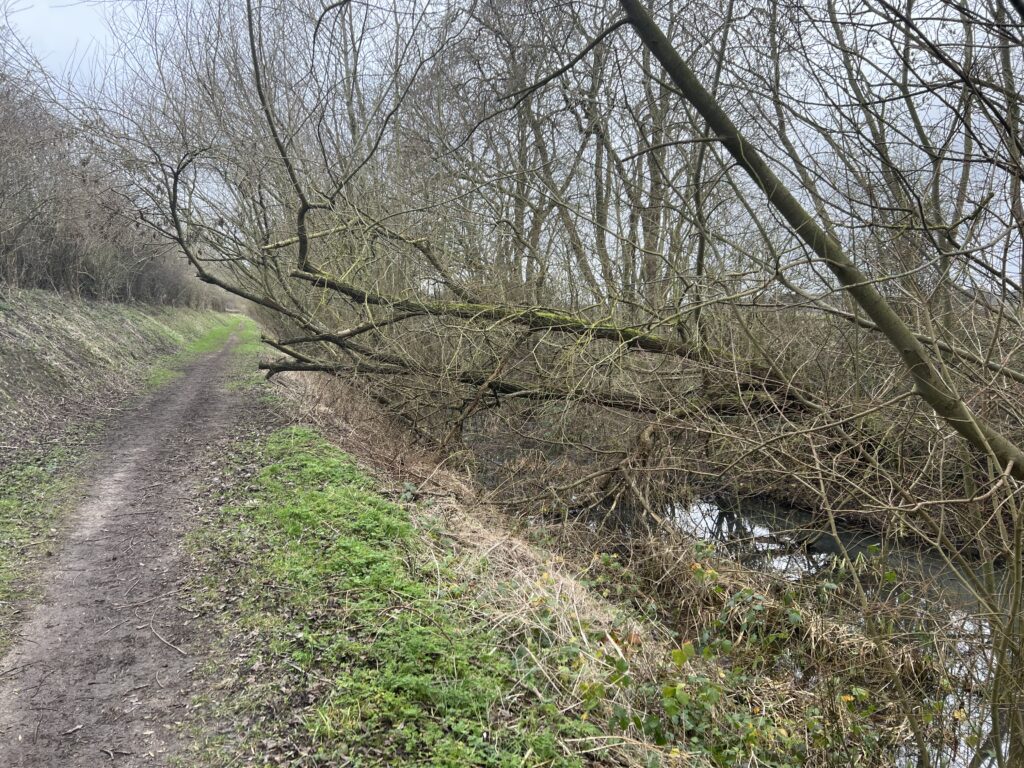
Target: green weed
column 397, row 666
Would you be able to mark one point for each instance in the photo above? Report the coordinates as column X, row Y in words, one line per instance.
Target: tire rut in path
column 101, row 668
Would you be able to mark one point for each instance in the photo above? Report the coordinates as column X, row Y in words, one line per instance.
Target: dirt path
column 102, row 667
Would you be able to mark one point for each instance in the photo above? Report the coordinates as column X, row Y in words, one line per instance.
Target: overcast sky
column 61, row 31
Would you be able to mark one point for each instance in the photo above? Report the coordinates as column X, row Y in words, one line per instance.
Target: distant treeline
column 62, row 225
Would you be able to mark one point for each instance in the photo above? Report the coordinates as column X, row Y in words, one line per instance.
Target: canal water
column 799, row 547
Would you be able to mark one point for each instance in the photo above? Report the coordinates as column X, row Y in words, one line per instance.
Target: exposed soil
column 102, row 667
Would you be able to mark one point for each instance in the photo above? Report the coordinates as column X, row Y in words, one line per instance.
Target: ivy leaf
column 683, row 654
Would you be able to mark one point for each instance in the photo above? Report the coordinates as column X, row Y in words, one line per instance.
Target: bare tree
column 781, row 259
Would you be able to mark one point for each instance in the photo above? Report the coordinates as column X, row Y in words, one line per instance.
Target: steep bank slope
column 63, row 359
column 373, row 610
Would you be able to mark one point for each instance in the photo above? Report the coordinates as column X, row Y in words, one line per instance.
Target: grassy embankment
column 395, row 664
column 359, row 630
column 66, row 366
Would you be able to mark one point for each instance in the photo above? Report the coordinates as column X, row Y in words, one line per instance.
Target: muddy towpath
column 101, row 668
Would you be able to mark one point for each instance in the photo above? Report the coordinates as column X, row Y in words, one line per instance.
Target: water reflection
column 798, row 546
column 754, row 540
column 925, row 596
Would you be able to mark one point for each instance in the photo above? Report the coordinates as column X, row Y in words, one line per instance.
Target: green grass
column 213, row 336
column 376, row 656
column 216, row 337
column 247, row 352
